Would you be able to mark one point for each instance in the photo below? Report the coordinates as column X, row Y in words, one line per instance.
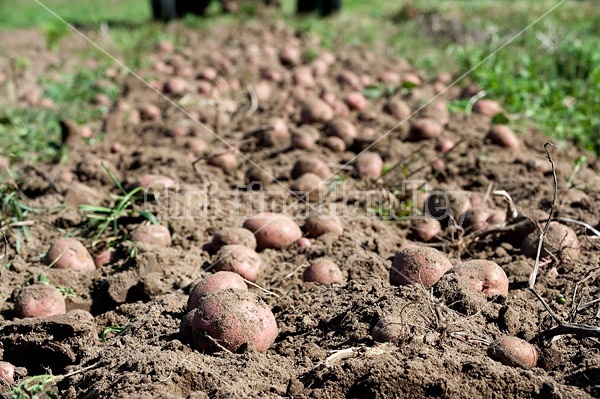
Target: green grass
column 550, row 74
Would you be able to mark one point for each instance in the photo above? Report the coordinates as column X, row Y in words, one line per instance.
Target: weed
column 112, row 329
column 13, row 214
column 36, row 387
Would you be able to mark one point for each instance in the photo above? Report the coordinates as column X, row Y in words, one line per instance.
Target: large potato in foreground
column 39, row 300
column 419, row 264
column 273, row 230
column 513, row 351
column 233, row 318
column 70, row 254
column 213, row 283
column 484, row 276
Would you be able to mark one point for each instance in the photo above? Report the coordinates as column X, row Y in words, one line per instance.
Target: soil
column 324, row 348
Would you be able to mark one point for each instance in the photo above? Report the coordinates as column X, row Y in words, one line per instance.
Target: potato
column 444, row 146
column 426, row 229
column 196, row 145
column 105, row 257
column 388, row 329
column 335, row 144
column 503, row 136
column 412, row 78
column 443, row 203
column 342, row 128
column 209, row 73
column 305, row 138
column 226, row 160
column 222, row 280
column 154, row 234
column 484, row 276
column 155, row 182
column 418, row 264
column 233, row 236
column 317, row 225
column 290, row 56
column 233, row 318
column 475, row 219
column 278, row 132
column 309, row 186
column 487, row 107
column 238, row 259
column 323, row 271
column 356, row 101
column 7, row 372
column 149, row 112
column 315, row 110
column 559, row 238
column 273, row 230
column 39, row 300
column 424, row 129
column 390, row 78
column 69, row 254
column 368, row 165
column 398, row 108
column 348, row 79
column 310, row 165
column 303, row 76
column 175, row 86
column 513, row 351
column 302, row 242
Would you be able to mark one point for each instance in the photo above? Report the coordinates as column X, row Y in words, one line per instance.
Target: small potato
column 155, row 182
column 303, row 76
column 424, row 129
column 175, row 86
column 559, row 238
column 317, row 225
column 342, row 128
column 484, row 276
column 154, row 234
column 412, row 78
column 7, row 372
column 290, row 56
column 475, row 219
column 226, row 160
column 348, row 78
column 390, row 78
column 444, row 146
column 323, row 271
column 196, row 145
column 441, row 204
column 80, row 314
column 233, row 318
column 149, row 112
column 513, row 351
column 305, row 138
column 418, row 264
column 233, row 236
column 258, row 177
column 388, row 329
column 315, row 110
column 238, row 259
column 105, row 257
column 302, row 242
column 368, row 165
column 273, row 230
column 503, row 136
column 222, row 280
column 356, row 101
column 487, row 107
column 278, row 132
column 398, row 108
column 310, row 165
column 309, row 186
column 69, row 254
column 335, row 144
column 426, row 229
column 39, row 300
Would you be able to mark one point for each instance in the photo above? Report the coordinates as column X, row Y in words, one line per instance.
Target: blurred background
column 550, row 74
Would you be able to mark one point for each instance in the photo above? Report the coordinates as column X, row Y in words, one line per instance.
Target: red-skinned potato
column 323, row 271
column 335, row 144
column 233, row 318
column 513, row 351
column 39, row 300
column 425, row 128
column 278, row 132
column 305, row 138
column 310, row 165
column 503, row 136
column 222, row 280
column 7, row 372
column 398, row 108
column 487, row 107
column 233, row 236
column 388, row 329
column 317, row 225
column 418, row 264
column 175, row 86
column 149, row 112
column 559, row 238
column 69, row 254
column 303, row 76
column 155, row 182
column 426, row 229
column 105, row 257
column 226, row 160
column 484, row 276
column 154, row 234
column 342, row 128
column 368, row 165
column 309, row 185
column 315, row 110
column 238, row 259
column 273, row 230
column 302, row 242
column 444, row 146
column 356, row 101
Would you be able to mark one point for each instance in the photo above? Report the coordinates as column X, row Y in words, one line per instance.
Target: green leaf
column 500, row 119
column 373, row 92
